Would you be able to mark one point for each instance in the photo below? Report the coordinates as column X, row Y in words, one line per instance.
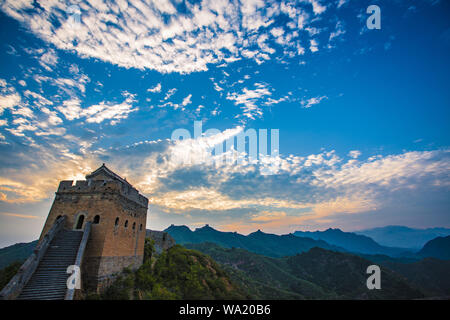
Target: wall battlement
column 99, row 186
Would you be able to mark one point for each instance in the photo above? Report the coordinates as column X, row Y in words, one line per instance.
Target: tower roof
column 103, row 170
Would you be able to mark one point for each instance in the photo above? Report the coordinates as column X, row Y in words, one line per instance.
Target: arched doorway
column 79, row 223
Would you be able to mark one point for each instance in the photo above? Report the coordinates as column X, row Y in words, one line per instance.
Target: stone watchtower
column 118, row 214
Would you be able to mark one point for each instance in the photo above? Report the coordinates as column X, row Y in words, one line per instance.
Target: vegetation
column 438, row 248
column 177, row 273
column 430, row 275
column 7, row 273
column 316, row 274
column 243, row 272
column 16, row 252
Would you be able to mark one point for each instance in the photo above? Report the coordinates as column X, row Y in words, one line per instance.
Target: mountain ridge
column 315, row 274
column 437, row 248
column 351, row 241
column 259, row 242
column 402, row 236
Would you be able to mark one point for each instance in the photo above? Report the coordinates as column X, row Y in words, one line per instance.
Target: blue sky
column 362, row 114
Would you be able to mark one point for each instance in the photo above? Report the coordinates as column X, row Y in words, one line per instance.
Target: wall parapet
column 17, row 283
column 80, row 255
column 99, row 186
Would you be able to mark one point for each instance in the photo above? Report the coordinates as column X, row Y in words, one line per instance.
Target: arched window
column 140, row 227
column 126, row 224
column 96, row 219
column 116, row 223
column 80, row 221
column 134, row 225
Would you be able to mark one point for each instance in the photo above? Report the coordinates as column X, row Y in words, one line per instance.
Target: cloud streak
column 156, row 35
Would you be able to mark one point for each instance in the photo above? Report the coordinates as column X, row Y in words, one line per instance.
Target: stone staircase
column 48, row 282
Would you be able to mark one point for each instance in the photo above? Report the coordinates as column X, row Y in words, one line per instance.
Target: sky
column 362, row 114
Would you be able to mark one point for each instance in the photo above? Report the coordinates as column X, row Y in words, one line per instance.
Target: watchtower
column 118, row 214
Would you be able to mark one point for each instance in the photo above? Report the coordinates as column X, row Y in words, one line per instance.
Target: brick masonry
column 117, row 240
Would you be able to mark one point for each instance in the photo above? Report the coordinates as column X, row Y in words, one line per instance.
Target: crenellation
column 100, row 186
column 81, row 184
column 65, row 184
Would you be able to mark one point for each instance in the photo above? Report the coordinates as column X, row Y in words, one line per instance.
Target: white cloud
column 154, row 35
column 217, row 87
column 339, row 31
column 187, row 100
column 102, row 111
column 39, row 100
column 354, row 154
column 98, row 113
column 317, row 7
column 156, row 88
column 170, row 93
column 9, row 98
column 313, row 45
column 48, row 60
column 341, row 3
column 71, row 109
column 9, row 101
column 248, row 99
column 65, row 84
column 312, row 101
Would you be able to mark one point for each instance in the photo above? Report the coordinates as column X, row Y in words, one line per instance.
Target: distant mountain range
column 351, row 242
column 271, row 245
column 404, row 237
column 437, row 248
column 308, row 265
column 318, row 274
column 16, row 252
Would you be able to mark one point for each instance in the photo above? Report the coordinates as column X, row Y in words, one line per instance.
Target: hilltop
column 316, row 274
column 177, row 273
column 16, row 252
column 271, row 245
column 437, row 248
column 404, row 237
column 352, row 242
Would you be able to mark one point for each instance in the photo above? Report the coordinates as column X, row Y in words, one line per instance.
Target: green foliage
column 122, row 288
column 177, row 273
column 7, row 273
column 149, row 249
column 316, row 274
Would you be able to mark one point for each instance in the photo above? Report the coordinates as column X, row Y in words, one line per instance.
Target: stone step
column 50, row 274
column 49, row 281
column 62, row 259
column 44, row 296
column 45, row 290
column 55, row 287
column 46, row 265
column 46, row 281
column 65, row 256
